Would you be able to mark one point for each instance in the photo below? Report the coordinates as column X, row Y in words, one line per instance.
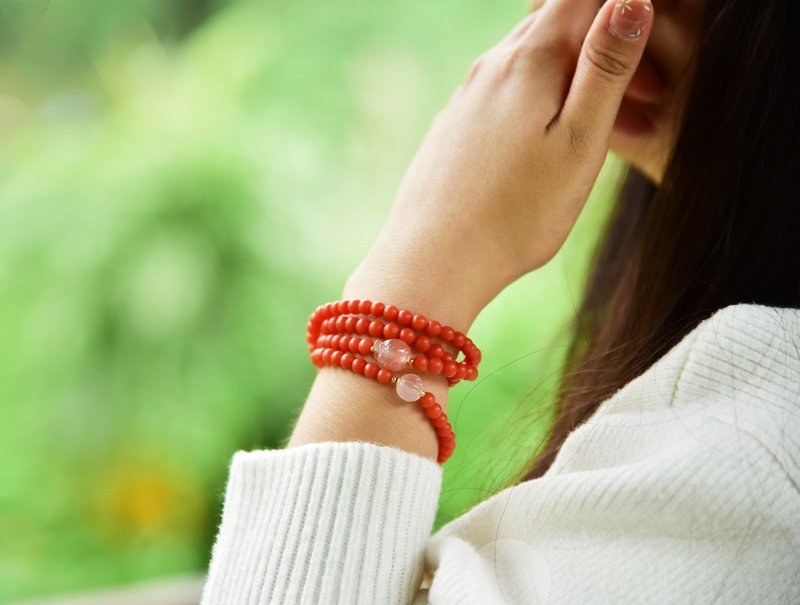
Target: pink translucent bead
column 393, row 354
column 409, row 387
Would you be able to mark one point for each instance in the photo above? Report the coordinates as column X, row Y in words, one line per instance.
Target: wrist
column 446, row 288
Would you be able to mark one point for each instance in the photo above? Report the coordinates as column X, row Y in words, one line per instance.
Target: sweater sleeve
column 324, row 523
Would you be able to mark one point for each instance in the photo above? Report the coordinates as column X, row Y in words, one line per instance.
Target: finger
column 609, row 57
column 553, row 43
column 566, row 21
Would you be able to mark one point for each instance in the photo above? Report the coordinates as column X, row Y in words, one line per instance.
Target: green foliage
column 178, row 186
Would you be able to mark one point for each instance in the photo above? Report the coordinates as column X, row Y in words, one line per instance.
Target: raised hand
column 506, row 167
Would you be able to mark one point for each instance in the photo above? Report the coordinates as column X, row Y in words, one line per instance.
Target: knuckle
column 477, row 65
column 474, row 68
column 512, row 59
column 555, row 50
column 535, row 52
column 577, row 139
column 608, row 62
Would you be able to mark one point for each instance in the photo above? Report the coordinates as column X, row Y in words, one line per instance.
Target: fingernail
column 629, row 18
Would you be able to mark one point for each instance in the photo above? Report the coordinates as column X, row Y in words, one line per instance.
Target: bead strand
column 436, row 360
column 401, row 318
column 409, row 387
column 421, row 342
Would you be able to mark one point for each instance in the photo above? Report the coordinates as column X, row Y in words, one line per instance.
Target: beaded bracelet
column 340, row 333
column 431, row 357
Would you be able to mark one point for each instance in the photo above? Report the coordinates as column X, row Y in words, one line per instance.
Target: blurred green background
column 181, row 183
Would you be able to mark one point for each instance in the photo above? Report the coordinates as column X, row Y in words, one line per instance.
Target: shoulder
column 751, row 337
column 731, row 384
column 742, row 376
column 744, row 350
column 745, row 359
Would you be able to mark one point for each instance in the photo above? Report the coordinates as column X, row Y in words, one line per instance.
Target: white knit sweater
column 681, row 488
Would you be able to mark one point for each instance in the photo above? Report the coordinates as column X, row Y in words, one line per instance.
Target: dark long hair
column 722, row 228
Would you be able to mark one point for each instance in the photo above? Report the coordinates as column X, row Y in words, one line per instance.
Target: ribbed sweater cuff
column 324, row 523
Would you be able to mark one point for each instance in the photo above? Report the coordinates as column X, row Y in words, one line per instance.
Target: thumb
column 609, row 57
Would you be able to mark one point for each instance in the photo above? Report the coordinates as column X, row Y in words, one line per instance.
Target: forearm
column 346, row 407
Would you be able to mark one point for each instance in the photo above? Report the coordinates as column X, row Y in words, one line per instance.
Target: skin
column 496, row 186
column 647, row 124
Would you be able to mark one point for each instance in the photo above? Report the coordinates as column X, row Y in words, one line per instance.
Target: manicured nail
column 629, row 18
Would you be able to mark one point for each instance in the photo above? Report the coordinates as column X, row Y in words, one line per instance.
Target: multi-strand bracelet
column 377, row 340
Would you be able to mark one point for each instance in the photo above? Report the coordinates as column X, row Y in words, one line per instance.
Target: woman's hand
column 492, row 193
column 507, row 165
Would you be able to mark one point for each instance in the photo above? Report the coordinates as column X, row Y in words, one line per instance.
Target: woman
column 671, row 474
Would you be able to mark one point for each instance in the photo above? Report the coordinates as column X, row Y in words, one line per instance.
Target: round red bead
column 365, row 346
column 422, row 343
column 434, row 328
column 384, row 376
column 435, row 365
column 336, row 358
column 427, row 400
column 434, row 411
column 376, row 328
column 377, row 309
column 391, row 331
column 420, row 363
column 359, row 363
column 390, row 312
column 408, row 335
column 404, row 317
column 447, row 333
column 371, row 370
column 419, row 322
column 362, row 326
column 365, row 307
column 347, row 360
column 450, row 368
column 436, row 350
column 350, row 323
column 353, row 305
column 458, row 340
